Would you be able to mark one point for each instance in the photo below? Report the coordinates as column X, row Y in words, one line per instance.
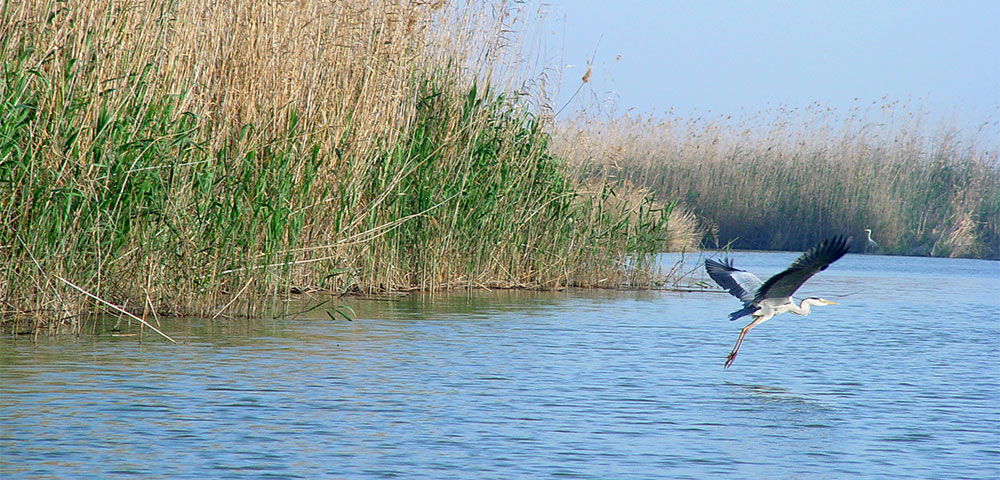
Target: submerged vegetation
column 787, row 179
column 194, row 157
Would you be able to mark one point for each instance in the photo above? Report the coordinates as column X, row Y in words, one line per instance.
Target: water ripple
column 896, row 382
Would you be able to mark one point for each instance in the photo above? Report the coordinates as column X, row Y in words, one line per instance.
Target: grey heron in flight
column 763, row 300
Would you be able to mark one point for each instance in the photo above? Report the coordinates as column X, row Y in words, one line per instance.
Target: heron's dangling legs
column 739, row 341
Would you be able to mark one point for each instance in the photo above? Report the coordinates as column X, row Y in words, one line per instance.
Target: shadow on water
column 772, row 394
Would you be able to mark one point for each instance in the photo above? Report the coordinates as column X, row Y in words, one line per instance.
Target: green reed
column 124, row 175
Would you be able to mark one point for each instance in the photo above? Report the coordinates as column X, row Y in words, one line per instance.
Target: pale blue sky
column 728, row 57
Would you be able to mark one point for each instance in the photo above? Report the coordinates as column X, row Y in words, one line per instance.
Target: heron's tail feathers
column 747, row 310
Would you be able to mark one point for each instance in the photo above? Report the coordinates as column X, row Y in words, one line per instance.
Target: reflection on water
column 897, row 381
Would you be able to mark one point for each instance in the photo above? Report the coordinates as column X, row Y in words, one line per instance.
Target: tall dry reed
column 787, row 178
column 199, row 156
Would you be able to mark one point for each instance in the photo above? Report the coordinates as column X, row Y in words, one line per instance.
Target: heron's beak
column 830, row 303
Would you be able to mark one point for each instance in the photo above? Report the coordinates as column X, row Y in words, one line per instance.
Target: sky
column 738, row 57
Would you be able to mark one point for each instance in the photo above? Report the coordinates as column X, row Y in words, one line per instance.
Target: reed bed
column 785, row 179
column 197, row 157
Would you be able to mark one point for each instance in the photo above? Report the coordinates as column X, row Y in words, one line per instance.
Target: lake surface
column 900, row 380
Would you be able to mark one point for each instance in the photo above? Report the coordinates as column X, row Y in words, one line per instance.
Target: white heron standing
column 870, row 245
column 763, row 300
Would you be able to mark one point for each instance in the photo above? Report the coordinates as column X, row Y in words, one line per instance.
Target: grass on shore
column 197, row 157
column 787, row 179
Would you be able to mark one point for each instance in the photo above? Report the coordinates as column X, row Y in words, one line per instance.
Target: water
column 897, row 381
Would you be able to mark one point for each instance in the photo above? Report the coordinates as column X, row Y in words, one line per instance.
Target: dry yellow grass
column 786, row 179
column 345, row 68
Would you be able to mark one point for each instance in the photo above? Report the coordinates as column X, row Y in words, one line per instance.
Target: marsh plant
column 788, row 178
column 197, row 157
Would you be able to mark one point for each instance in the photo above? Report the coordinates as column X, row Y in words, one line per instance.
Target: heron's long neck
column 801, row 309
column 869, row 235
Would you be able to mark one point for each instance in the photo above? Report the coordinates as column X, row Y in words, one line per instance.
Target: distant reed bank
column 788, row 178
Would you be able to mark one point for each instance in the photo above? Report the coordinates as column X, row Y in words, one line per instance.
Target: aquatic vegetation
column 198, row 157
column 787, row 178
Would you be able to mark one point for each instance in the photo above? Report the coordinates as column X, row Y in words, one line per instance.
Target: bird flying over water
column 763, row 300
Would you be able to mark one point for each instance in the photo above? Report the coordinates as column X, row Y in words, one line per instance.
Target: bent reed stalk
column 195, row 157
column 787, row 178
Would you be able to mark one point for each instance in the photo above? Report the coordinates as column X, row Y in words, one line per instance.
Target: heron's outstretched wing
column 739, row 283
column 816, row 259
